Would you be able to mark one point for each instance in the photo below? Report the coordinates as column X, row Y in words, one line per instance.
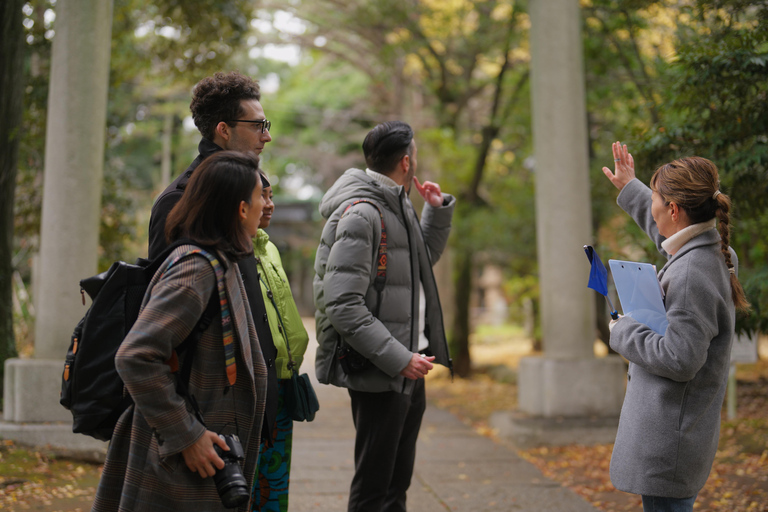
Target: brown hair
column 693, row 184
column 207, row 212
column 218, row 98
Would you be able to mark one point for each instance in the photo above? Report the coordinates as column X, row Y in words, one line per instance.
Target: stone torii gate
column 567, row 384
column 74, row 157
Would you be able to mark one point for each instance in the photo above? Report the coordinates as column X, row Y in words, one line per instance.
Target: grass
column 38, row 480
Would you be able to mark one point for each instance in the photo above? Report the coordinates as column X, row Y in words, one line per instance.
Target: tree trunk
column 462, row 291
column 167, row 156
column 11, row 85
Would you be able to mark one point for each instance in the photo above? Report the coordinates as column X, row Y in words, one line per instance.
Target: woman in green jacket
column 270, row 488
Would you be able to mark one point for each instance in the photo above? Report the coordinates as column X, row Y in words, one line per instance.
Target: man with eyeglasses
column 227, row 110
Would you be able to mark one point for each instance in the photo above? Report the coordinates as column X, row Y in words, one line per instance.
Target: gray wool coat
column 145, row 470
column 345, row 267
column 670, row 420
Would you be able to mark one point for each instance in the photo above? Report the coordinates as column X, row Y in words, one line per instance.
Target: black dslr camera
column 230, row 482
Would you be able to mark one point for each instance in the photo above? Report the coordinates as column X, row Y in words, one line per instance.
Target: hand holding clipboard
column 640, row 293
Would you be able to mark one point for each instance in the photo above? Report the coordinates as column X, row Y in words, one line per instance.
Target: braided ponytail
column 693, row 184
column 723, row 207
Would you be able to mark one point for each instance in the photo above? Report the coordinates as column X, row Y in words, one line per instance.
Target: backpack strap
column 188, row 348
column 226, row 320
column 189, row 345
column 381, row 257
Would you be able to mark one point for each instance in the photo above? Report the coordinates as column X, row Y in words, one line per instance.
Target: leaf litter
column 738, row 481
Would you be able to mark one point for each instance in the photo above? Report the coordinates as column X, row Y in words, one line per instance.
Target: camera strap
column 188, row 348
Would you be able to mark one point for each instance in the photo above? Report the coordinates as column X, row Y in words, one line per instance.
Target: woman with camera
column 670, row 421
column 203, row 421
column 270, row 487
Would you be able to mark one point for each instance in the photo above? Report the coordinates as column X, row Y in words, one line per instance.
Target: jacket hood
column 356, row 184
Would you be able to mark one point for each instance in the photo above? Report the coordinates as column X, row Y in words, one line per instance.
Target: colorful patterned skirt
column 270, row 487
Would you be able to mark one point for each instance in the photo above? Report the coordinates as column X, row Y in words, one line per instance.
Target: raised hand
column 625, row 166
column 430, row 192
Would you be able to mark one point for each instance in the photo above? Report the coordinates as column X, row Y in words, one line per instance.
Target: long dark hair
column 693, row 184
column 208, row 211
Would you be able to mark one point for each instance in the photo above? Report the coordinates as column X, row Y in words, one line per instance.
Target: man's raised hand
column 430, row 192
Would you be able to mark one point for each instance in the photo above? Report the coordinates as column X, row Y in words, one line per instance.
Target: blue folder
column 640, row 293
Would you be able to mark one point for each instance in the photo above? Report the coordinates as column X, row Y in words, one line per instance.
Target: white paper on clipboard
column 640, row 293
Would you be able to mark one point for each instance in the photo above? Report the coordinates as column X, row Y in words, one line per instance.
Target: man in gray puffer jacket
column 398, row 329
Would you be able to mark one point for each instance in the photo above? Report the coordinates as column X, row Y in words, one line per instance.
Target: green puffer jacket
column 273, row 279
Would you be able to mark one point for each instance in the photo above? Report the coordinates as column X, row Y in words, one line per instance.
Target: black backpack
column 91, row 388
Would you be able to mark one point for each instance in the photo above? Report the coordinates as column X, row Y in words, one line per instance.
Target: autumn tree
column 716, row 108
column 158, row 52
column 458, row 72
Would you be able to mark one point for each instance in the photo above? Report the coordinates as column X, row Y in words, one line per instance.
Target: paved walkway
column 456, row 469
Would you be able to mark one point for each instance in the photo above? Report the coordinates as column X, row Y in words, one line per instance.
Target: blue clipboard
column 640, row 293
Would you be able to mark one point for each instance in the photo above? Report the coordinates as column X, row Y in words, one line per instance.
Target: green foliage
column 673, row 79
column 320, row 116
column 175, row 40
column 717, row 109
column 157, row 52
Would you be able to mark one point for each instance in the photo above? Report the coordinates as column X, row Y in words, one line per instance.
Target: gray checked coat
column 670, row 420
column 144, row 469
column 345, row 267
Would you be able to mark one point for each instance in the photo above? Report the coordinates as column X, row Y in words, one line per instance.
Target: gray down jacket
column 345, row 267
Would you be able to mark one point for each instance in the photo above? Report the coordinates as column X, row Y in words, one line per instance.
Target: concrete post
column 74, row 154
column 568, row 380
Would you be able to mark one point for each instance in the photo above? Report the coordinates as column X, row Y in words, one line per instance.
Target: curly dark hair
column 217, row 98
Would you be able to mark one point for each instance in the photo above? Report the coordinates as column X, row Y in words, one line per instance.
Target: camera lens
column 230, row 482
column 232, row 486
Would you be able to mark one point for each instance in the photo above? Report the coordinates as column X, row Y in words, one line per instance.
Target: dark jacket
column 345, row 267
column 670, row 420
column 145, row 470
column 249, row 273
column 170, row 196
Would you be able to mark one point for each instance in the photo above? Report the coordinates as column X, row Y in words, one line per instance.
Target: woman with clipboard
column 676, row 382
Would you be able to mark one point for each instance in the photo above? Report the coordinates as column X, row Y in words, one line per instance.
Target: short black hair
column 217, row 98
column 386, row 145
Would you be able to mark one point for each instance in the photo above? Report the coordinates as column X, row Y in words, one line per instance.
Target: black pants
column 387, row 426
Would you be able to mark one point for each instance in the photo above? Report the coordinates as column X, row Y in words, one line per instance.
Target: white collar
column 381, row 178
column 682, row 237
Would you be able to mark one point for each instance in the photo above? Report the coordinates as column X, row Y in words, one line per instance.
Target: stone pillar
column 568, row 380
column 74, row 155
